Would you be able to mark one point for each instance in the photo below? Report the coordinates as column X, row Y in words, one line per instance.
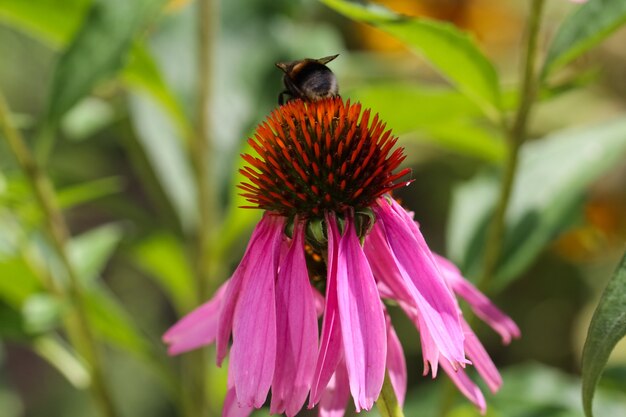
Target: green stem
column 517, row 135
column 201, row 148
column 387, row 403
column 77, row 323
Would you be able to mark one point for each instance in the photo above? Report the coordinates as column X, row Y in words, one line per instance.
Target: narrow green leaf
column 553, row 175
column 91, row 251
column 97, row 51
column 17, row 282
column 453, row 52
column 406, row 107
column 113, row 325
column 142, row 72
column 42, row 312
column 58, row 354
column 437, row 115
column 162, row 147
column 45, row 18
column 90, row 116
column 607, row 327
column 162, row 257
column 237, row 220
column 75, row 195
column 591, row 23
column 12, row 324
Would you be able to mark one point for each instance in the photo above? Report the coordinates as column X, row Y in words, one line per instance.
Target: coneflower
column 323, row 174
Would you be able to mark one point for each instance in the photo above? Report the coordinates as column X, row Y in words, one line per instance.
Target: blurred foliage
column 105, row 91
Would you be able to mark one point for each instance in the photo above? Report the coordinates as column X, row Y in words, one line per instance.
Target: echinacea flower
column 323, row 174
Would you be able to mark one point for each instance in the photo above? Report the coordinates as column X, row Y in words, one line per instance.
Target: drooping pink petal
column 296, row 325
column 330, row 349
column 385, row 268
column 430, row 352
column 480, row 304
column 434, row 301
column 231, row 408
column 362, row 320
column 253, row 353
column 396, row 364
column 395, row 285
column 231, row 296
column 335, row 397
column 465, row 385
column 197, row 328
column 481, row 359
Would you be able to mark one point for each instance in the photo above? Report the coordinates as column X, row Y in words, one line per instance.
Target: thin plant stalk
column 516, row 135
column 202, row 158
column 77, row 322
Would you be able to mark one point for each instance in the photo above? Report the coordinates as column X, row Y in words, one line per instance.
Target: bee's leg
column 281, row 97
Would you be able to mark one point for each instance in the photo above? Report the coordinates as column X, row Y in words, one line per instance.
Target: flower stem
column 387, row 403
column 201, row 154
column 517, row 135
column 77, row 323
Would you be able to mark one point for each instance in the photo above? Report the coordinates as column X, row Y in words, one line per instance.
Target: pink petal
column 296, row 325
column 253, row 353
column 481, row 360
column 319, row 302
column 330, row 345
column 434, row 301
column 197, row 328
column 231, row 408
column 396, row 364
column 362, row 320
column 430, row 352
column 466, row 386
column 393, row 284
column 231, row 296
column 480, row 304
column 335, row 397
column 385, row 268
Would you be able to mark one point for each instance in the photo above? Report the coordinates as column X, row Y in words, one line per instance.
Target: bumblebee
column 308, row 79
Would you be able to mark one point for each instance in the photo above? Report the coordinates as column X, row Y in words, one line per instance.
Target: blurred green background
column 118, row 155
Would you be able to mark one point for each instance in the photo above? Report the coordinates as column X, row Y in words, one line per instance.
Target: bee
column 308, row 79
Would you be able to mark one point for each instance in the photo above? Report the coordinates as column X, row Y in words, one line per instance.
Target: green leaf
column 142, row 72
column 17, row 282
column 91, row 251
column 58, row 354
column 553, row 175
column 42, row 312
column 12, row 324
column 451, row 51
column 541, row 391
column 463, row 137
column 591, row 23
column 113, row 325
column 162, row 257
column 45, row 19
column 86, row 192
column 97, row 51
column 162, row 147
column 607, row 327
column 436, row 115
column 237, row 220
column 87, row 118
